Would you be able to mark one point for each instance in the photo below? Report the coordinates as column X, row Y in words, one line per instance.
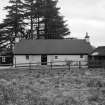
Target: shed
column 98, row 56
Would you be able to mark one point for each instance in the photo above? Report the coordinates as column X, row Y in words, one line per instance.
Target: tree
column 33, row 16
column 13, row 25
column 55, row 27
column 41, row 16
column 28, row 13
column 45, row 19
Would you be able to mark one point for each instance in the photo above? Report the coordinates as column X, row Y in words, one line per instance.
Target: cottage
column 44, row 51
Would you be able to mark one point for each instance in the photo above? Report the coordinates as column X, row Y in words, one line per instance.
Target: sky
column 81, row 16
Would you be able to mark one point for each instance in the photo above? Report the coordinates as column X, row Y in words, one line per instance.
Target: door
column 43, row 59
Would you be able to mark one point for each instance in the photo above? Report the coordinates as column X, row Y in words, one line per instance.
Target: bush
column 94, row 83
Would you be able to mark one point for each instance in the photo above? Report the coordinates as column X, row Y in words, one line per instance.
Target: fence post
column 87, row 62
column 103, row 64
column 51, row 65
column 69, row 66
column 29, row 66
column 79, row 64
column 15, row 61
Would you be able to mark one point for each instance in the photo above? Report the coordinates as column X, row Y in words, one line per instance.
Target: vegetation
column 56, row 87
column 32, row 19
column 12, row 26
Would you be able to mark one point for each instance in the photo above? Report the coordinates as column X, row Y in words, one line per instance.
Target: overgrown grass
column 56, row 87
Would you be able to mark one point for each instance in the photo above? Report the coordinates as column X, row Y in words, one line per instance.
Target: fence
column 60, row 64
column 54, row 65
column 96, row 64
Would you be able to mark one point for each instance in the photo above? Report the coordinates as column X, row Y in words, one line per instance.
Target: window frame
column 27, row 57
column 56, row 57
column 81, row 56
column 3, row 59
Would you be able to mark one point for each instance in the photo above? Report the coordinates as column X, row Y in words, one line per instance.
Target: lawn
column 52, row 87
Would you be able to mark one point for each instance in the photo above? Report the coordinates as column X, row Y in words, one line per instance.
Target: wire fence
column 58, row 64
column 64, row 64
column 54, row 65
column 96, row 63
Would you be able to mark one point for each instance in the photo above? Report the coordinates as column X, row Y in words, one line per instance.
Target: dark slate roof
column 52, row 47
column 100, row 51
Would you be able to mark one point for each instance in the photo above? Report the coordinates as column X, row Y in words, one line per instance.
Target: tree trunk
column 31, row 19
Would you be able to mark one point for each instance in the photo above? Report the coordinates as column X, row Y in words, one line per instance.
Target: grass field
column 54, row 87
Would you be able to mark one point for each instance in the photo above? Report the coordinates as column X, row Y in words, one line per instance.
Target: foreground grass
column 56, row 87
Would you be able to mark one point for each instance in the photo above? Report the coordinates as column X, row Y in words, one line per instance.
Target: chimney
column 87, row 37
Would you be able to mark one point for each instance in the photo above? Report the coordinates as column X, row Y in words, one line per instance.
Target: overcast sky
column 82, row 16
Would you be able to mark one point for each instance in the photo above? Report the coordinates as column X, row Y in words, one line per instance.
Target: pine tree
column 39, row 18
column 42, row 17
column 55, row 27
column 33, row 16
column 28, row 12
column 45, row 19
column 12, row 26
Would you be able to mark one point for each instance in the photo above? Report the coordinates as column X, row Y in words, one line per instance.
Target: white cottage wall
column 19, row 59
column 57, row 59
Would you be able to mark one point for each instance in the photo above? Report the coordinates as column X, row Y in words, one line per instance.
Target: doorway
column 44, row 59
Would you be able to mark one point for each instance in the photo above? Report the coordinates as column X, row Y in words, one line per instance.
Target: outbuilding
column 98, row 57
column 6, row 57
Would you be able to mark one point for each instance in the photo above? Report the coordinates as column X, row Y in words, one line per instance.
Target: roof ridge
column 52, row 39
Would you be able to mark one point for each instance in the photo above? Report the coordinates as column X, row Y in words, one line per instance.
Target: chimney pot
column 87, row 37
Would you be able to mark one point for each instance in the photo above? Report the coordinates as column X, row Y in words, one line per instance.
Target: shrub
column 94, row 83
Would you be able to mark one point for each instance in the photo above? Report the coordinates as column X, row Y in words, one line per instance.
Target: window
column 81, row 56
column 56, row 57
column 3, row 59
column 27, row 57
